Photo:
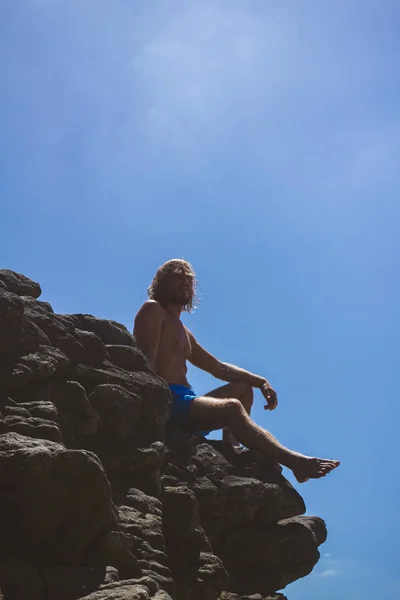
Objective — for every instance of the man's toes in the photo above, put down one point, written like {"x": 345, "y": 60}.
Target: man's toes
{"x": 327, "y": 466}
{"x": 330, "y": 464}
{"x": 324, "y": 466}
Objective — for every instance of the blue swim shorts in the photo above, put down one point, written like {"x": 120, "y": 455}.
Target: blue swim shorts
{"x": 182, "y": 398}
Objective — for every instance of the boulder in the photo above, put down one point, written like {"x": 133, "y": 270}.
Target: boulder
{"x": 55, "y": 503}
{"x": 11, "y": 315}
{"x": 76, "y": 414}
{"x": 110, "y": 332}
{"x": 127, "y": 357}
{"x": 128, "y": 590}
{"x": 24, "y": 580}
{"x": 117, "y": 408}
{"x": 19, "y": 284}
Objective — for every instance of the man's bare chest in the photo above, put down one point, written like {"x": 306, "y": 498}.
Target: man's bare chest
{"x": 174, "y": 338}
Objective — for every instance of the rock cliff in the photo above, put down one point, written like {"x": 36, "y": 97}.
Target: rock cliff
{"x": 100, "y": 498}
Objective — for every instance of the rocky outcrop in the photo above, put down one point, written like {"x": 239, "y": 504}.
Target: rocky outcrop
{"x": 100, "y": 498}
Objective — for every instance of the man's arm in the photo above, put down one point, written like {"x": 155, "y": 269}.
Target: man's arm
{"x": 202, "y": 359}
{"x": 147, "y": 329}
{"x": 221, "y": 370}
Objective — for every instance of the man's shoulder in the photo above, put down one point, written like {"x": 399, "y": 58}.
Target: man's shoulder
{"x": 190, "y": 334}
{"x": 151, "y": 308}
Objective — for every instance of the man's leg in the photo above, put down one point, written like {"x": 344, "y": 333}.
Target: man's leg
{"x": 242, "y": 391}
{"x": 207, "y": 414}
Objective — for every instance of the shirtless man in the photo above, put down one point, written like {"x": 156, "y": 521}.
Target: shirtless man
{"x": 168, "y": 344}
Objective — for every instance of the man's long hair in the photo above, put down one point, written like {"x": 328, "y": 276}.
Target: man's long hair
{"x": 158, "y": 290}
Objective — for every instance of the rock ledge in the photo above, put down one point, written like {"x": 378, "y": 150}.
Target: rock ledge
{"x": 101, "y": 499}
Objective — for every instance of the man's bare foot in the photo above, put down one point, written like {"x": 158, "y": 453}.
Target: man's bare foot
{"x": 313, "y": 468}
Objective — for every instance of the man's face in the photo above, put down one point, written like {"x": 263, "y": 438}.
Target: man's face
{"x": 180, "y": 287}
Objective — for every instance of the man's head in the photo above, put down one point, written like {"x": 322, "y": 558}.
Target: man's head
{"x": 174, "y": 283}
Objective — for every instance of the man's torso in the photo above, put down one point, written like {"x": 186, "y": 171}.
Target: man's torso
{"x": 173, "y": 349}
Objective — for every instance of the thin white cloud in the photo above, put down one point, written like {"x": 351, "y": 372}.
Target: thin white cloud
{"x": 329, "y": 566}
{"x": 328, "y": 573}
{"x": 206, "y": 71}
{"x": 201, "y": 64}
{"x": 204, "y": 46}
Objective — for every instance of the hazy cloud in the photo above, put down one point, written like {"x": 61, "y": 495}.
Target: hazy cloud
{"x": 328, "y": 573}
{"x": 202, "y": 67}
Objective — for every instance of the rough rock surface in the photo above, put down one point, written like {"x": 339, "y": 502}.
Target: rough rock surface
{"x": 101, "y": 499}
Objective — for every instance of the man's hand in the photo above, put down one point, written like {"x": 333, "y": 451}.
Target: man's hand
{"x": 270, "y": 396}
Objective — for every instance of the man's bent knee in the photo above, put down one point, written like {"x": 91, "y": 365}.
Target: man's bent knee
{"x": 245, "y": 391}
{"x": 234, "y": 408}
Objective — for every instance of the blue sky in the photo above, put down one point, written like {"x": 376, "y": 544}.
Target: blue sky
{"x": 261, "y": 141}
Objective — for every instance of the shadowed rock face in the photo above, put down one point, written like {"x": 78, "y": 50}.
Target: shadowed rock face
{"x": 101, "y": 499}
